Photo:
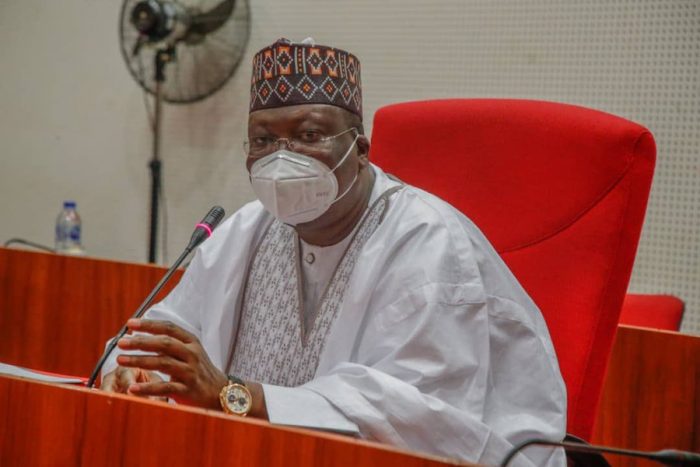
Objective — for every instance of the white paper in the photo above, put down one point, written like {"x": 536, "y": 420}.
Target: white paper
{"x": 13, "y": 370}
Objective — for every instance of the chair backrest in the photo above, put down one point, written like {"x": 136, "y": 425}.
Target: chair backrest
{"x": 559, "y": 190}
{"x": 653, "y": 311}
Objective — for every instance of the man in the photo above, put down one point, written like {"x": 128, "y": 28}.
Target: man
{"x": 344, "y": 299}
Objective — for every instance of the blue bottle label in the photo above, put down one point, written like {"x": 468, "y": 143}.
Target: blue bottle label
{"x": 68, "y": 233}
{"x": 75, "y": 233}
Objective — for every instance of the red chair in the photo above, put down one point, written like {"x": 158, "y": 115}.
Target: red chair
{"x": 653, "y": 311}
{"x": 561, "y": 193}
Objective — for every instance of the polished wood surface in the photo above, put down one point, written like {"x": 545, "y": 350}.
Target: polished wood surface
{"x": 44, "y": 424}
{"x": 56, "y": 312}
{"x": 651, "y": 395}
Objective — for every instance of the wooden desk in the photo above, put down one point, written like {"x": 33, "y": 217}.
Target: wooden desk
{"x": 56, "y": 313}
{"x": 45, "y": 424}
{"x": 651, "y": 394}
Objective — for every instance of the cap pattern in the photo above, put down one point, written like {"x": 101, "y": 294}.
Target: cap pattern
{"x": 288, "y": 73}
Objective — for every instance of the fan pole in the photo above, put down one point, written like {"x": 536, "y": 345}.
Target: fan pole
{"x": 162, "y": 58}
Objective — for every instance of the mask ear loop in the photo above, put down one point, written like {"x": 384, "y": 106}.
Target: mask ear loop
{"x": 346, "y": 190}
{"x": 347, "y": 153}
{"x": 338, "y": 198}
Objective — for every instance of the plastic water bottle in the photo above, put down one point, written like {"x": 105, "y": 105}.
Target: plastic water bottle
{"x": 68, "y": 231}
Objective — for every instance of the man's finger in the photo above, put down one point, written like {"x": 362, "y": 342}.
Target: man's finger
{"x": 145, "y": 376}
{"x": 160, "y": 388}
{"x": 162, "y": 363}
{"x": 165, "y": 345}
{"x": 160, "y": 327}
{"x": 119, "y": 379}
{"x": 109, "y": 383}
{"x": 123, "y": 378}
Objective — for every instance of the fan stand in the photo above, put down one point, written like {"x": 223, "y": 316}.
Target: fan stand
{"x": 162, "y": 58}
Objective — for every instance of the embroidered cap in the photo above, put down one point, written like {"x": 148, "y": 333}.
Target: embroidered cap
{"x": 292, "y": 73}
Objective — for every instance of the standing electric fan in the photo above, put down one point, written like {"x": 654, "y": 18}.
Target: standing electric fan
{"x": 180, "y": 51}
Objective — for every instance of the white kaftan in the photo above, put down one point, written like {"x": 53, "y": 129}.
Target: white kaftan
{"x": 436, "y": 347}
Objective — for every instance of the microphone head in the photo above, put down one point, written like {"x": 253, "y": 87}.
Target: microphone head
{"x": 204, "y": 229}
{"x": 214, "y": 216}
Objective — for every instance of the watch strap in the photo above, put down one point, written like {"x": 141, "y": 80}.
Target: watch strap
{"x": 236, "y": 380}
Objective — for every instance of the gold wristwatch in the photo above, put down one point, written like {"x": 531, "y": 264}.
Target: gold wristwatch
{"x": 235, "y": 397}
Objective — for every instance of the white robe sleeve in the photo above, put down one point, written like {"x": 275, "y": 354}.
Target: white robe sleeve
{"x": 424, "y": 380}
{"x": 305, "y": 408}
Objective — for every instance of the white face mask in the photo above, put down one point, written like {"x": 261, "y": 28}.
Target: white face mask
{"x": 296, "y": 188}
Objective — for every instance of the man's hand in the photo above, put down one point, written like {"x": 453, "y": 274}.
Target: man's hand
{"x": 122, "y": 378}
{"x": 194, "y": 380}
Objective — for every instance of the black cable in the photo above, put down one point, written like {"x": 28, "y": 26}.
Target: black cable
{"x": 22, "y": 241}
{"x": 669, "y": 457}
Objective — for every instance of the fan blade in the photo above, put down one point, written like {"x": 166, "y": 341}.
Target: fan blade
{"x": 205, "y": 23}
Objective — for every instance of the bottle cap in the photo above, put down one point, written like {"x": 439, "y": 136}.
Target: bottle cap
{"x": 69, "y": 205}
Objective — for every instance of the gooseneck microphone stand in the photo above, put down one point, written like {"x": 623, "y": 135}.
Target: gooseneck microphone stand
{"x": 139, "y": 313}
{"x": 201, "y": 232}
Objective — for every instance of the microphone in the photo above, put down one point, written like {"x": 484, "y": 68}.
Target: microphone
{"x": 202, "y": 231}
{"x": 670, "y": 457}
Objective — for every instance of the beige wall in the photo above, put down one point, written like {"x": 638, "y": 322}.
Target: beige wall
{"x": 73, "y": 124}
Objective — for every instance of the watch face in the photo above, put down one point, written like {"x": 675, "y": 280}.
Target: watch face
{"x": 238, "y": 399}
